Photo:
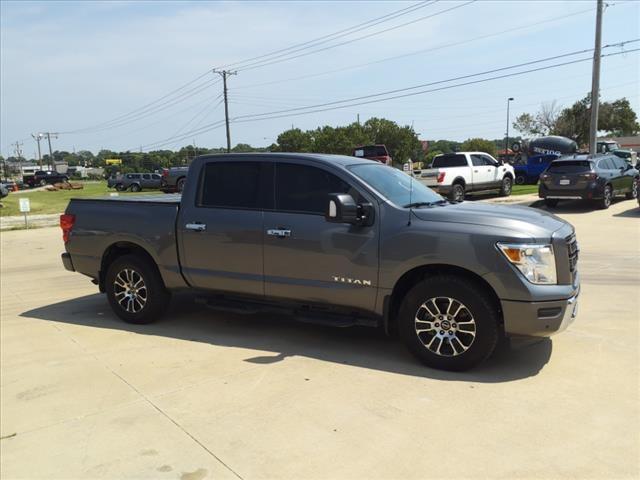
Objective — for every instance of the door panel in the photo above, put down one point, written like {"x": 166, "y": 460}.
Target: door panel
{"x": 222, "y": 234}
{"x": 316, "y": 261}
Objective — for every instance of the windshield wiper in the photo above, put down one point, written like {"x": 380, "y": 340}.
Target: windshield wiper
{"x": 425, "y": 204}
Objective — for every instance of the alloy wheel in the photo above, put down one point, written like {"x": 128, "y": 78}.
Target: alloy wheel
{"x": 130, "y": 290}
{"x": 445, "y": 326}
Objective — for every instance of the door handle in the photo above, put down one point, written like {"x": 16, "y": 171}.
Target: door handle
{"x": 197, "y": 227}
{"x": 475, "y": 171}
{"x": 277, "y": 232}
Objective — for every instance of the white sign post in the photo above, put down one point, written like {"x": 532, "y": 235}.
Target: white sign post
{"x": 25, "y": 207}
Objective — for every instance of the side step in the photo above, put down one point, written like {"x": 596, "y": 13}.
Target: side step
{"x": 303, "y": 313}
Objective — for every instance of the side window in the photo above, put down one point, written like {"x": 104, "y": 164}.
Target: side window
{"x": 304, "y": 189}
{"x": 619, "y": 163}
{"x": 489, "y": 161}
{"x": 129, "y": 176}
{"x": 477, "y": 160}
{"x": 606, "y": 164}
{"x": 155, "y": 176}
{"x": 146, "y": 176}
{"x": 231, "y": 185}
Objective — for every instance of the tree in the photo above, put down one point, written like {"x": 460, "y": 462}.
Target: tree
{"x": 479, "y": 145}
{"x": 295, "y": 140}
{"x": 615, "y": 118}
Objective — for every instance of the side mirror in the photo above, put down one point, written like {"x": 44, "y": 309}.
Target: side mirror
{"x": 342, "y": 208}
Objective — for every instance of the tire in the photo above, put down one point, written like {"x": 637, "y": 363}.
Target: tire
{"x": 607, "y": 197}
{"x": 458, "y": 349}
{"x": 180, "y": 184}
{"x": 119, "y": 187}
{"x": 141, "y": 309}
{"x": 505, "y": 188}
{"x": 135, "y": 187}
{"x": 65, "y": 179}
{"x": 551, "y": 202}
{"x": 521, "y": 179}
{"x": 42, "y": 183}
{"x": 634, "y": 191}
{"x": 457, "y": 193}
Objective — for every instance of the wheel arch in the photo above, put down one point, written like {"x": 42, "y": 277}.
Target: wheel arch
{"x": 417, "y": 274}
{"x": 459, "y": 180}
{"x": 119, "y": 249}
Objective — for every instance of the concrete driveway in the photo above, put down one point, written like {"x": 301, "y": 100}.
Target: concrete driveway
{"x": 209, "y": 395}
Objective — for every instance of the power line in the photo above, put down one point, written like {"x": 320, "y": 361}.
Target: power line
{"x": 389, "y": 92}
{"x": 416, "y": 52}
{"x": 332, "y": 36}
{"x": 252, "y": 118}
{"x": 264, "y": 64}
{"x": 337, "y": 105}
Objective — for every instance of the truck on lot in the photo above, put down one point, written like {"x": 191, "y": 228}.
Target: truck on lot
{"x": 379, "y": 153}
{"x": 45, "y": 177}
{"x": 456, "y": 174}
{"x": 611, "y": 146}
{"x": 529, "y": 171}
{"x": 173, "y": 179}
{"x": 335, "y": 240}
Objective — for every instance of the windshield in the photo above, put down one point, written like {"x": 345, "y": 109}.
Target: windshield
{"x": 396, "y": 186}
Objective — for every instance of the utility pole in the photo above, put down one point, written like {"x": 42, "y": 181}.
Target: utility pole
{"x": 37, "y": 137}
{"x": 48, "y": 135}
{"x": 506, "y": 139}
{"x": 18, "y": 151}
{"x": 595, "y": 82}
{"x": 224, "y": 74}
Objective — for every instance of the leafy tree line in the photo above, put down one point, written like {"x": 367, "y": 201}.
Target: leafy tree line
{"x": 615, "y": 119}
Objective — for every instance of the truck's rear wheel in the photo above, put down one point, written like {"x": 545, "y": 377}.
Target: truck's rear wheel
{"x": 457, "y": 192}
{"x": 521, "y": 179}
{"x": 135, "y": 187}
{"x": 449, "y": 323}
{"x": 180, "y": 185}
{"x": 135, "y": 290}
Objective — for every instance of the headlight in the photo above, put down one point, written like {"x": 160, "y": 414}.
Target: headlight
{"x": 536, "y": 262}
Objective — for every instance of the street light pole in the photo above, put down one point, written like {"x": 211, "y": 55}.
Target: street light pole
{"x": 506, "y": 140}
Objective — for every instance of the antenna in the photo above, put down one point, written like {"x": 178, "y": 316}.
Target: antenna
{"x": 410, "y": 195}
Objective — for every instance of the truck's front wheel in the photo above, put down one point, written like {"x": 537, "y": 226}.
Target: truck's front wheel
{"x": 505, "y": 188}
{"x": 135, "y": 290}
{"x": 449, "y": 323}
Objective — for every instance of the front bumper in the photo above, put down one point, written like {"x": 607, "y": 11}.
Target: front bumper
{"x": 538, "y": 319}
{"x": 66, "y": 261}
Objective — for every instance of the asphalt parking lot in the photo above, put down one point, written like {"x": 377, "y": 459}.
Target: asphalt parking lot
{"x": 210, "y": 395}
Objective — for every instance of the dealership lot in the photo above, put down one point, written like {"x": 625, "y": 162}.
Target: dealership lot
{"x": 203, "y": 394}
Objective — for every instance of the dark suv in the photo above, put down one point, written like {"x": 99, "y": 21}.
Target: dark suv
{"x": 583, "y": 177}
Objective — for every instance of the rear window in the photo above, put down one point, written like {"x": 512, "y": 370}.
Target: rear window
{"x": 570, "y": 166}
{"x": 371, "y": 151}
{"x": 450, "y": 161}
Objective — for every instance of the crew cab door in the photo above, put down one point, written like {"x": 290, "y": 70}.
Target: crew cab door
{"x": 483, "y": 173}
{"x": 221, "y": 230}
{"x": 308, "y": 259}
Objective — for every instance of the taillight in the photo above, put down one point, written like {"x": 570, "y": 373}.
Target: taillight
{"x": 165, "y": 172}
{"x": 588, "y": 176}
{"x": 441, "y": 176}
{"x": 66, "y": 224}
{"x": 545, "y": 176}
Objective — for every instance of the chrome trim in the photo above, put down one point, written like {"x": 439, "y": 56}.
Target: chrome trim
{"x": 276, "y": 232}
{"x": 558, "y": 197}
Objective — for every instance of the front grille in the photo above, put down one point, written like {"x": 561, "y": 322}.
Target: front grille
{"x": 573, "y": 251}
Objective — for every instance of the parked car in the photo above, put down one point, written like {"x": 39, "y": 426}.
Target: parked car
{"x": 4, "y": 190}
{"x": 335, "y": 240}
{"x": 41, "y": 178}
{"x": 173, "y": 179}
{"x": 135, "y": 181}
{"x": 529, "y": 173}
{"x": 582, "y": 177}
{"x": 379, "y": 153}
{"x": 456, "y": 174}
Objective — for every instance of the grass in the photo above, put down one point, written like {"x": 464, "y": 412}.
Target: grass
{"x": 43, "y": 202}
{"x": 524, "y": 189}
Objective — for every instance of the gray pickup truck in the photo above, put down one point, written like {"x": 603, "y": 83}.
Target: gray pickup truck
{"x": 336, "y": 240}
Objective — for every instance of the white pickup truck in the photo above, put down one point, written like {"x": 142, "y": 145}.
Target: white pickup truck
{"x": 456, "y": 174}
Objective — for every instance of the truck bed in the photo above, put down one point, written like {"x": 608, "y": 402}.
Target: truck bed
{"x": 145, "y": 221}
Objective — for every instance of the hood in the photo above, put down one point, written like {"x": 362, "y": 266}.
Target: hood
{"x": 522, "y": 220}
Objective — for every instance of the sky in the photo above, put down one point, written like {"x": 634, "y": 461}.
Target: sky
{"x": 93, "y": 70}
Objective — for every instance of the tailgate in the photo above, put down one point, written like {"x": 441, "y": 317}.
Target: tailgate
{"x": 430, "y": 177}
